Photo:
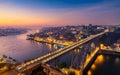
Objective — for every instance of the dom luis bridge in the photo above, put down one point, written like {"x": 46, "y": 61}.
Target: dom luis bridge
{"x": 86, "y": 55}
{"x": 91, "y": 47}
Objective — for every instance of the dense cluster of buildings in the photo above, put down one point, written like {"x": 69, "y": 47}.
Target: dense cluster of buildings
{"x": 66, "y": 33}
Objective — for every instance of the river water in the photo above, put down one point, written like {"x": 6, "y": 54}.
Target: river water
{"x": 105, "y": 65}
{"x": 19, "y": 48}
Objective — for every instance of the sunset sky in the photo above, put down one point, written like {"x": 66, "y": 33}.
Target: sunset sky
{"x": 59, "y": 12}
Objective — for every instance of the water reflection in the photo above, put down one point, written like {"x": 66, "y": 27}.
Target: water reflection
{"x": 22, "y": 36}
{"x": 89, "y": 72}
{"x": 117, "y": 60}
{"x": 93, "y": 67}
{"x": 104, "y": 65}
{"x": 19, "y": 48}
{"x": 99, "y": 59}
{"x": 50, "y": 46}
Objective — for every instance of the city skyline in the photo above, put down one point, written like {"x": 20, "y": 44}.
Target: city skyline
{"x": 58, "y": 12}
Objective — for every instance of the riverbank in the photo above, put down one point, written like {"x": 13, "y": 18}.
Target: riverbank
{"x": 50, "y": 41}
